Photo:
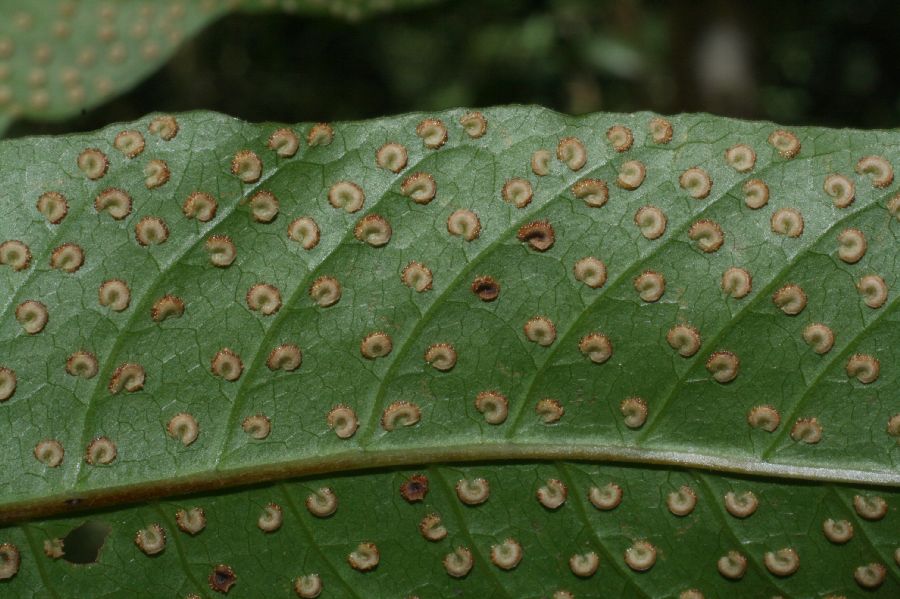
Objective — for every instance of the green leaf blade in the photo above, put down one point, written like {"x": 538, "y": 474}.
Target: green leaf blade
{"x": 372, "y": 509}
{"x": 692, "y": 418}
{"x": 696, "y": 429}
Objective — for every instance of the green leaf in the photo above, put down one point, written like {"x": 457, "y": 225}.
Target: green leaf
{"x": 676, "y": 417}
{"x": 371, "y": 509}
{"x": 59, "y": 57}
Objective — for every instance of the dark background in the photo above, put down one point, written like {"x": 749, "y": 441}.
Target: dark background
{"x": 829, "y": 62}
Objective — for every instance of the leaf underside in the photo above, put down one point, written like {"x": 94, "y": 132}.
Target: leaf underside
{"x": 371, "y": 509}
{"x": 59, "y": 57}
{"x": 645, "y": 403}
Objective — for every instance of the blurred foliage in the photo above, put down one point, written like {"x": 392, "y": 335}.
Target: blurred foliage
{"x": 766, "y": 59}
{"x": 59, "y": 57}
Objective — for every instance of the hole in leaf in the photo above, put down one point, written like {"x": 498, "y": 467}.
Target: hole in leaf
{"x": 83, "y": 543}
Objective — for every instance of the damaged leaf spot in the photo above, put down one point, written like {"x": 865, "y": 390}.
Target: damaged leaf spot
{"x": 620, "y": 137}
{"x": 15, "y": 254}
{"x": 634, "y": 411}
{"x": 441, "y": 356}
{"x": 786, "y": 143}
{"x": 271, "y": 518}
{"x": 247, "y": 166}
{"x": 320, "y": 134}
{"x": 696, "y": 182}
{"x": 539, "y": 235}
{"x": 732, "y": 565}
{"x": 517, "y": 192}
{"x": 53, "y": 206}
{"x": 650, "y": 286}
{"x": 553, "y": 494}
{"x": 493, "y": 405}
{"x": 128, "y": 377}
{"x": 374, "y": 230}
{"x": 308, "y": 586}
{"x": 376, "y": 345}
{"x": 322, "y": 503}
{"x": 415, "y": 488}
{"x": 101, "y": 451}
{"x": 660, "y": 130}
{"x": 227, "y": 364}
{"x": 740, "y": 157}
{"x": 191, "y": 521}
{"x": 304, "y": 231}
{"x": 571, "y": 152}
{"x": 459, "y": 562}
{"x": 464, "y": 223}
{"x": 346, "y": 195}
{"x": 807, "y": 430}
{"x": 584, "y": 565}
{"x": 863, "y": 368}
{"x": 93, "y": 163}
{"x": 540, "y": 330}
{"x": 782, "y": 562}
{"x": 641, "y": 556}
{"x": 873, "y": 290}
{"x": 113, "y": 201}
{"x": 286, "y": 357}
{"x": 151, "y": 230}
{"x": 549, "y": 410}
{"x": 184, "y": 428}
{"x": 596, "y": 347}
{"x": 605, "y": 498}
{"x": 49, "y": 452}
{"x": 165, "y": 126}
{"x": 257, "y": 426}
{"x": 787, "y": 222}
{"x": 507, "y": 554}
{"x": 68, "y": 258}
{"x": 264, "y": 206}
{"x": 473, "y": 491}
{"x": 474, "y": 124}
{"x": 419, "y": 187}
{"x": 156, "y": 174}
{"x": 756, "y": 194}
{"x": 723, "y": 366}
{"x": 82, "y": 545}
{"x": 591, "y": 272}
{"x": 840, "y": 189}
{"x": 400, "y": 413}
{"x": 878, "y": 169}
{"x": 764, "y": 417}
{"x": 391, "y": 157}
{"x": 364, "y": 558}
{"x": 432, "y": 132}
{"x": 592, "y": 192}
{"x": 486, "y": 288}
{"x": 284, "y": 142}
{"x": 432, "y": 528}
{"x": 115, "y": 295}
{"x": 222, "y": 578}
{"x": 631, "y": 175}
{"x": 343, "y": 421}
{"x": 151, "y": 540}
{"x": 682, "y": 502}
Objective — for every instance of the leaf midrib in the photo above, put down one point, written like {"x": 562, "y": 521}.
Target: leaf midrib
{"x": 422, "y": 455}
